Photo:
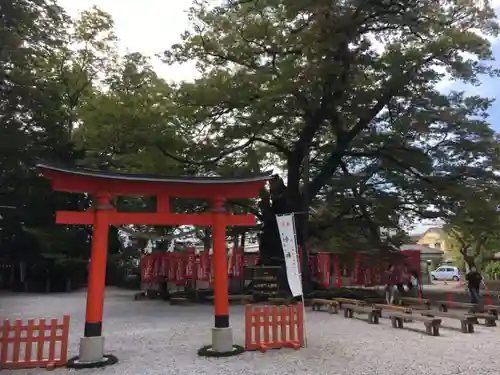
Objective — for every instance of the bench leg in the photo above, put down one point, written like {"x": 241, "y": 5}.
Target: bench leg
{"x": 428, "y": 329}
{"x": 347, "y": 313}
{"x": 431, "y": 329}
{"x": 435, "y": 330}
{"x": 332, "y": 309}
{"x": 370, "y": 318}
{"x": 396, "y": 322}
{"x": 464, "y": 326}
{"x": 443, "y": 308}
{"x": 375, "y": 319}
{"x": 470, "y": 328}
{"x": 314, "y": 307}
{"x": 408, "y": 320}
{"x": 490, "y": 323}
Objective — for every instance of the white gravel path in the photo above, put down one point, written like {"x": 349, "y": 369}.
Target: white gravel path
{"x": 152, "y": 337}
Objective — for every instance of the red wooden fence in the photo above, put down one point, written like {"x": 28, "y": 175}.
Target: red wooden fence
{"x": 272, "y": 327}
{"x": 23, "y": 346}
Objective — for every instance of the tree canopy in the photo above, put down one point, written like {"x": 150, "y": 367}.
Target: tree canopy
{"x": 342, "y": 99}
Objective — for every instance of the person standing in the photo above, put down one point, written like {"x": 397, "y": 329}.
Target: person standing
{"x": 474, "y": 280}
{"x": 390, "y": 284}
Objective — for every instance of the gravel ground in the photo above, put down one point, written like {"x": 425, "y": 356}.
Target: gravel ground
{"x": 152, "y": 337}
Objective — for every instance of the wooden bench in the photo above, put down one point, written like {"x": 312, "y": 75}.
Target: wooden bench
{"x": 492, "y": 309}
{"x": 236, "y": 298}
{"x": 445, "y": 305}
{"x": 243, "y": 298}
{"x": 349, "y": 301}
{"x": 280, "y": 301}
{"x": 404, "y": 309}
{"x": 466, "y": 321}
{"x": 140, "y": 296}
{"x": 374, "y": 313}
{"x": 416, "y": 301}
{"x": 318, "y": 303}
{"x": 179, "y": 300}
{"x": 489, "y": 319}
{"x": 474, "y": 308}
{"x": 431, "y": 324}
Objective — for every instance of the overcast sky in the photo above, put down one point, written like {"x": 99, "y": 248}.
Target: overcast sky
{"x": 146, "y": 26}
{"x": 151, "y": 26}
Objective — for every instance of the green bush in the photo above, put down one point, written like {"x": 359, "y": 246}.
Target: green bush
{"x": 492, "y": 269}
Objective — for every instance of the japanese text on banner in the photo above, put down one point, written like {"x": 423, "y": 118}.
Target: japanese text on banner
{"x": 287, "y": 233}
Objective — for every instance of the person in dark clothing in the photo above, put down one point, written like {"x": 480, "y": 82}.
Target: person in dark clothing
{"x": 474, "y": 280}
{"x": 390, "y": 284}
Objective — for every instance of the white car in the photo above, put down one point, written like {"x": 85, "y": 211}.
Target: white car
{"x": 445, "y": 273}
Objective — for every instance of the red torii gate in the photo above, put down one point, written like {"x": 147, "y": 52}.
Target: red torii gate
{"x": 103, "y": 186}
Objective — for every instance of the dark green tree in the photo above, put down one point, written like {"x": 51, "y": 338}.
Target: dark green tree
{"x": 43, "y": 80}
{"x": 347, "y": 85}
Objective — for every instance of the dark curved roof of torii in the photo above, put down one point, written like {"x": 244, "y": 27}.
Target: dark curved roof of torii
{"x": 144, "y": 177}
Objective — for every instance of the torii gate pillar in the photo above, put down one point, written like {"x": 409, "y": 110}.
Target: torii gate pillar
{"x": 92, "y": 342}
{"x": 222, "y": 333}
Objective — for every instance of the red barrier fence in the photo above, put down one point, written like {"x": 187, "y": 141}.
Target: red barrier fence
{"x": 34, "y": 352}
{"x": 272, "y": 327}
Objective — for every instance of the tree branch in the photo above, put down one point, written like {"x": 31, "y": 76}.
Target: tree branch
{"x": 215, "y": 160}
{"x": 374, "y": 230}
{"x": 279, "y": 147}
{"x": 249, "y": 207}
{"x": 345, "y": 138}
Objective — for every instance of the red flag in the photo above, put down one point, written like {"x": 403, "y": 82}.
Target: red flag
{"x": 313, "y": 265}
{"x": 256, "y": 260}
{"x": 355, "y": 275}
{"x": 337, "y": 272}
{"x": 156, "y": 263}
{"x": 171, "y": 267}
{"x": 146, "y": 269}
{"x": 180, "y": 270}
{"x": 190, "y": 260}
{"x": 204, "y": 266}
{"x": 368, "y": 277}
{"x": 164, "y": 265}
{"x": 323, "y": 261}
{"x": 237, "y": 263}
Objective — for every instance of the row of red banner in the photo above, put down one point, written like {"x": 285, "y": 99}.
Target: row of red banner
{"x": 322, "y": 264}
{"x": 178, "y": 267}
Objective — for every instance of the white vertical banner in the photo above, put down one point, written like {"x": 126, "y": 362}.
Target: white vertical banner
{"x": 286, "y": 227}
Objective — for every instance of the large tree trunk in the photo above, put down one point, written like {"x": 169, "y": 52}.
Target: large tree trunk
{"x": 469, "y": 260}
{"x": 282, "y": 200}
{"x": 207, "y": 239}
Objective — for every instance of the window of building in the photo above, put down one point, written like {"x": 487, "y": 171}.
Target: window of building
{"x": 437, "y": 245}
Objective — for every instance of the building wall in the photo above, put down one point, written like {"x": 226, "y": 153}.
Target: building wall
{"x": 436, "y": 239}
